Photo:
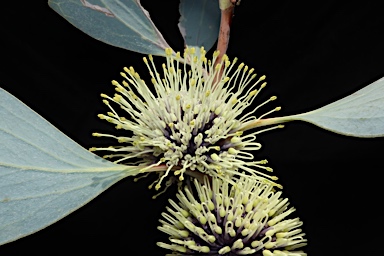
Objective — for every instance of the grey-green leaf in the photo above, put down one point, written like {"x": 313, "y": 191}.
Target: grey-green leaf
{"x": 122, "y": 23}
{"x": 360, "y": 114}
{"x": 199, "y": 22}
{"x": 44, "y": 175}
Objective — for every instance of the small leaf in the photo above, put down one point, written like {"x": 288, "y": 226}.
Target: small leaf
{"x": 44, "y": 175}
{"x": 199, "y": 22}
{"x": 122, "y": 23}
{"x": 360, "y": 114}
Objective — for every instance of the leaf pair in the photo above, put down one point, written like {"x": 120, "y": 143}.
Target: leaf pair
{"x": 44, "y": 175}
{"x": 126, "y": 24}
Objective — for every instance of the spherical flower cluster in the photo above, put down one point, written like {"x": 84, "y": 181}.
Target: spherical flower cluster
{"x": 192, "y": 122}
{"x": 216, "y": 218}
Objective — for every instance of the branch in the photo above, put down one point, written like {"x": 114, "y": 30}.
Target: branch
{"x": 269, "y": 121}
{"x": 227, "y": 8}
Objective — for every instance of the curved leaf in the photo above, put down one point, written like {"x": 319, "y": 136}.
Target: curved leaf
{"x": 44, "y": 175}
{"x": 360, "y": 114}
{"x": 199, "y": 22}
{"x": 122, "y": 23}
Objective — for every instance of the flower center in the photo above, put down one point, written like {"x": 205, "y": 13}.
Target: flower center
{"x": 194, "y": 134}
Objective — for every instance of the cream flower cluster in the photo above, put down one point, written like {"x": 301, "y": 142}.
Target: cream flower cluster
{"x": 216, "y": 218}
{"x": 192, "y": 121}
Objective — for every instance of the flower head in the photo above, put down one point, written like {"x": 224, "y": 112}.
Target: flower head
{"x": 192, "y": 121}
{"x": 216, "y": 218}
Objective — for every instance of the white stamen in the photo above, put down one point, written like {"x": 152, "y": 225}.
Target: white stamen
{"x": 192, "y": 120}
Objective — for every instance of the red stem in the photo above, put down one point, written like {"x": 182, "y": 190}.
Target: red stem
{"x": 225, "y": 24}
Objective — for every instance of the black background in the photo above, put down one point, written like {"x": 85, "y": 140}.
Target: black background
{"x": 312, "y": 53}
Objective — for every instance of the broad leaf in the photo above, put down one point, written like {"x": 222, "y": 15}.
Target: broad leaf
{"x": 122, "y": 23}
{"x": 360, "y": 114}
{"x": 44, "y": 175}
{"x": 199, "y": 22}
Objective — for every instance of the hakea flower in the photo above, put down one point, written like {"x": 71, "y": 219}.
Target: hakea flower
{"x": 217, "y": 218}
{"x": 192, "y": 122}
